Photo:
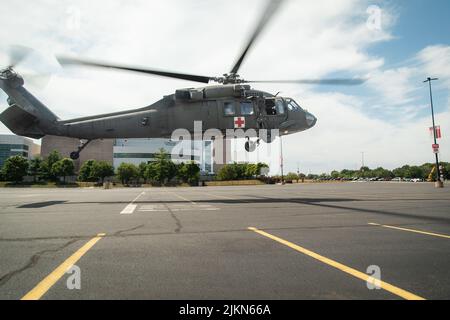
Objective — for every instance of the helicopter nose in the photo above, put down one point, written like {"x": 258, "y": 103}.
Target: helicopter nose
{"x": 310, "y": 120}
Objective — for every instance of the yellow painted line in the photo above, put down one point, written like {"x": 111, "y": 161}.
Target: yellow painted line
{"x": 37, "y": 292}
{"x": 360, "y": 275}
{"x": 412, "y": 230}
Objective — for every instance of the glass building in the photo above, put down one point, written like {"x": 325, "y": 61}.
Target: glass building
{"x": 12, "y": 145}
{"x": 136, "y": 151}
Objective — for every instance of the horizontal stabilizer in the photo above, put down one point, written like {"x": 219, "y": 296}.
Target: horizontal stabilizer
{"x": 21, "y": 122}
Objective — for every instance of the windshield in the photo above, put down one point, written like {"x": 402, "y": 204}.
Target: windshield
{"x": 292, "y": 105}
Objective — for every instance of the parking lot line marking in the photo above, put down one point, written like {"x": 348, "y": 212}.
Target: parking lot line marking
{"x": 183, "y": 198}
{"x": 129, "y": 209}
{"x": 411, "y": 230}
{"x": 360, "y": 275}
{"x": 37, "y": 292}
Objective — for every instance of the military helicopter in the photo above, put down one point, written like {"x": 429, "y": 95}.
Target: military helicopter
{"x": 229, "y": 104}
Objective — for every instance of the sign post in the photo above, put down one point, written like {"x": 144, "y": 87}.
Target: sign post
{"x": 439, "y": 183}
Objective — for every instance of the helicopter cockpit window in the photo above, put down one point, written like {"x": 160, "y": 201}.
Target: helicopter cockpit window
{"x": 229, "y": 109}
{"x": 292, "y": 105}
{"x": 247, "y": 108}
{"x": 274, "y": 107}
{"x": 280, "y": 106}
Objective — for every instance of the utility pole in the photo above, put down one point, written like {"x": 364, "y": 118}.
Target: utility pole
{"x": 439, "y": 183}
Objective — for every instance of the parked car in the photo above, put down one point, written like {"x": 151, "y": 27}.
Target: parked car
{"x": 397, "y": 179}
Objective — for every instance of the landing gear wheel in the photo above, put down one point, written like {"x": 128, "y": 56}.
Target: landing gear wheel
{"x": 74, "y": 155}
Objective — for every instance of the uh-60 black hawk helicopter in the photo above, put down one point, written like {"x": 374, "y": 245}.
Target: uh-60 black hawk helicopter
{"x": 229, "y": 105}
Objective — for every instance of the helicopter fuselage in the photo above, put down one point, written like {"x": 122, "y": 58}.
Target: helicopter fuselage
{"x": 223, "y": 108}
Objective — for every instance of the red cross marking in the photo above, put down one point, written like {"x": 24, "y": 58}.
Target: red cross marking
{"x": 239, "y": 122}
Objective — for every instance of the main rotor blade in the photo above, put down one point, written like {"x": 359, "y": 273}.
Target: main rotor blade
{"x": 330, "y": 82}
{"x": 17, "y": 54}
{"x": 175, "y": 75}
{"x": 272, "y": 7}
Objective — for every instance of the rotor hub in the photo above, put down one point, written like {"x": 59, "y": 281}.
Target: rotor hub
{"x": 230, "y": 78}
{"x": 12, "y": 77}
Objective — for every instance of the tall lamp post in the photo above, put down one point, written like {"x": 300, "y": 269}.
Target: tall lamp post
{"x": 439, "y": 183}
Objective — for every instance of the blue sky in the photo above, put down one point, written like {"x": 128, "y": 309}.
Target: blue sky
{"x": 419, "y": 24}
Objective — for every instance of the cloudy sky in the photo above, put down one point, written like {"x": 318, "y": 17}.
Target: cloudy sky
{"x": 396, "y": 44}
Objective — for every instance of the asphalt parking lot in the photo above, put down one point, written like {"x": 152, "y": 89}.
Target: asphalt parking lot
{"x": 311, "y": 241}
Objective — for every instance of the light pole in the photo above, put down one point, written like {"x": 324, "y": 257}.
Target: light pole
{"x": 439, "y": 183}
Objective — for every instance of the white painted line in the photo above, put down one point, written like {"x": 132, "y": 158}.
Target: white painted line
{"x": 183, "y": 198}
{"x": 129, "y": 209}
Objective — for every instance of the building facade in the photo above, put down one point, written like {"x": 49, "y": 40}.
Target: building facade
{"x": 12, "y": 145}
{"x": 136, "y": 151}
{"x": 100, "y": 150}
{"x": 133, "y": 151}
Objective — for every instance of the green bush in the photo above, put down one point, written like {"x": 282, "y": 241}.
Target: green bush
{"x": 292, "y": 177}
{"x": 47, "y": 165}
{"x": 101, "y": 170}
{"x": 34, "y": 168}
{"x": 63, "y": 168}
{"x": 85, "y": 173}
{"x": 240, "y": 171}
{"x": 15, "y": 168}
{"x": 127, "y": 172}
{"x": 189, "y": 173}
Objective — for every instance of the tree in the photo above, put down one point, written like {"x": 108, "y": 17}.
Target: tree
{"x": 47, "y": 165}
{"x": 291, "y": 176}
{"x": 414, "y": 172}
{"x": 189, "y": 173}
{"x": 150, "y": 173}
{"x": 15, "y": 168}
{"x": 34, "y": 168}
{"x": 165, "y": 169}
{"x": 85, "y": 173}
{"x": 101, "y": 170}
{"x": 446, "y": 170}
{"x": 127, "y": 172}
{"x": 142, "y": 171}
{"x": 63, "y": 168}
{"x": 335, "y": 174}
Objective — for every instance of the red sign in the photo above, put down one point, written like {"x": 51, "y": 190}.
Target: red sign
{"x": 239, "y": 122}
{"x": 435, "y": 148}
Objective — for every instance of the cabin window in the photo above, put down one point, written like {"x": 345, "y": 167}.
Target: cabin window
{"x": 280, "y": 106}
{"x": 247, "y": 108}
{"x": 271, "y": 108}
{"x": 229, "y": 109}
